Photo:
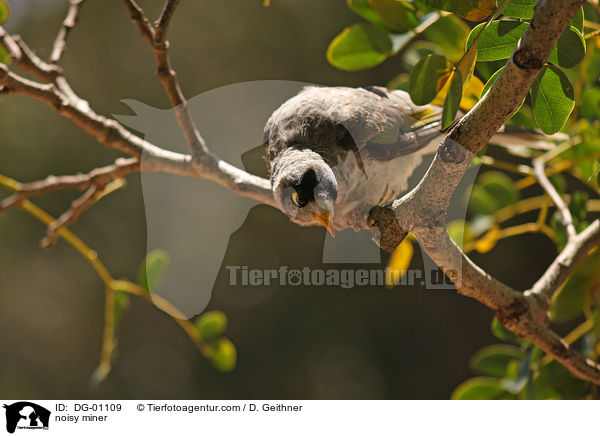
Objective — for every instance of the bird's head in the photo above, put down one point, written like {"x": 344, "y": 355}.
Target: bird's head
{"x": 305, "y": 188}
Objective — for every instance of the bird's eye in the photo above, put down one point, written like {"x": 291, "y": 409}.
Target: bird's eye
{"x": 298, "y": 201}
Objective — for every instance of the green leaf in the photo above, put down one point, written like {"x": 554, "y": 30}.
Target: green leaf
{"x": 519, "y": 8}
{"x": 554, "y": 381}
{"x": 523, "y": 118}
{"x": 569, "y": 301}
{"x": 491, "y": 81}
{"x": 558, "y": 228}
{"x": 493, "y": 360}
{"x": 481, "y": 202}
{"x": 452, "y": 103}
{"x": 364, "y": 9}
{"x": 552, "y": 99}
{"x": 450, "y": 34}
{"x": 417, "y": 51}
{"x": 153, "y": 269}
{"x": 211, "y": 324}
{"x": 500, "y": 186}
{"x": 460, "y": 232}
{"x": 358, "y": 47}
{"x": 4, "y": 12}
{"x": 398, "y": 15}
{"x": 481, "y": 388}
{"x": 122, "y": 303}
{"x": 399, "y": 82}
{"x": 223, "y": 355}
{"x": 472, "y": 10}
{"x": 590, "y": 103}
{"x": 569, "y": 50}
{"x": 487, "y": 69}
{"x": 559, "y": 182}
{"x": 4, "y": 57}
{"x": 492, "y": 191}
{"x": 426, "y": 78}
{"x": 498, "y": 40}
{"x": 503, "y": 333}
{"x": 578, "y": 206}
{"x": 577, "y": 20}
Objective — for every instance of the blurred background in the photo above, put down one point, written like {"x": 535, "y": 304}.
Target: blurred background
{"x": 292, "y": 342}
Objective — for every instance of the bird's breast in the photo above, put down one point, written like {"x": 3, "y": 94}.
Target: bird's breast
{"x": 377, "y": 182}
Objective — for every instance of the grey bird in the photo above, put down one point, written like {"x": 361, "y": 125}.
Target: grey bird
{"x": 333, "y": 153}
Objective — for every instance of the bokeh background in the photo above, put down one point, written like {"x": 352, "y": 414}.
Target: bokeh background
{"x": 292, "y": 342}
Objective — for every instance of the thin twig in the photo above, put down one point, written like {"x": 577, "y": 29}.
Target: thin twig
{"x": 60, "y": 43}
{"x": 156, "y": 38}
{"x": 141, "y": 22}
{"x": 98, "y": 176}
{"x": 25, "y": 59}
{"x": 564, "y": 264}
{"x": 162, "y": 24}
{"x": 567, "y": 218}
{"x": 78, "y": 206}
{"x": 112, "y": 134}
{"x": 111, "y": 285}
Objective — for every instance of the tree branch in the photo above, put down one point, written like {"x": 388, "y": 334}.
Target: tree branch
{"x": 72, "y": 214}
{"x": 540, "y": 174}
{"x": 162, "y": 24}
{"x": 562, "y": 267}
{"x": 60, "y": 43}
{"x": 156, "y": 38}
{"x": 423, "y": 211}
{"x": 113, "y": 135}
{"x": 25, "y": 59}
{"x": 98, "y": 177}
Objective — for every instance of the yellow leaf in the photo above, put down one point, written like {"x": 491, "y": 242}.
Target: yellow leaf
{"x": 488, "y": 241}
{"x": 467, "y": 64}
{"x": 471, "y": 94}
{"x": 399, "y": 263}
{"x": 483, "y": 10}
{"x": 440, "y": 98}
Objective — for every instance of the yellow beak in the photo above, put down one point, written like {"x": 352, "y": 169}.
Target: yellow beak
{"x": 326, "y": 221}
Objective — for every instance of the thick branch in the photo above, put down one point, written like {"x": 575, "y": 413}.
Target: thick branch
{"x": 423, "y": 210}
{"x": 156, "y": 38}
{"x": 60, "y": 43}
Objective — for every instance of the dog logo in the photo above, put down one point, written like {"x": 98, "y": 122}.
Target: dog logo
{"x": 26, "y": 415}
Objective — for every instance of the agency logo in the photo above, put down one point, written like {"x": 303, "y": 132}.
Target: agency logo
{"x": 26, "y": 415}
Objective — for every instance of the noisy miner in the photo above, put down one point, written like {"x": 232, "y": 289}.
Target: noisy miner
{"x": 333, "y": 153}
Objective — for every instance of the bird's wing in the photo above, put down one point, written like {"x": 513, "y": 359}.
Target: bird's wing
{"x": 406, "y": 127}
{"x": 418, "y": 127}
